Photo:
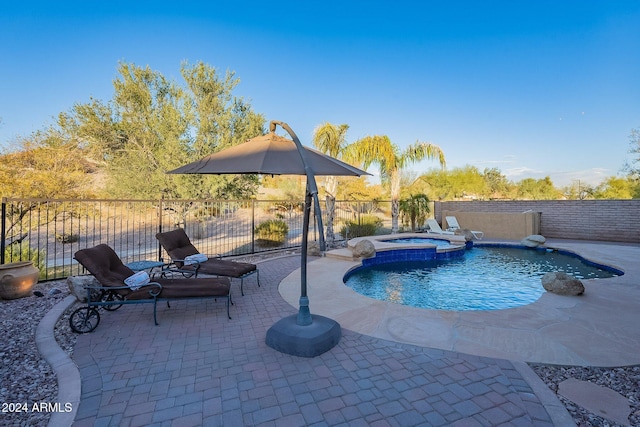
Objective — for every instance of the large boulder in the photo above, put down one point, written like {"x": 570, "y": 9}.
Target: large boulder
{"x": 533, "y": 241}
{"x": 562, "y": 284}
{"x": 364, "y": 249}
{"x": 77, "y": 286}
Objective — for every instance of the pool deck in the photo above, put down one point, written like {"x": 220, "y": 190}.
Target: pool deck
{"x": 598, "y": 328}
{"x": 393, "y": 365}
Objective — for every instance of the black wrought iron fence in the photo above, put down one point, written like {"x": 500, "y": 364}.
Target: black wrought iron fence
{"x": 49, "y": 232}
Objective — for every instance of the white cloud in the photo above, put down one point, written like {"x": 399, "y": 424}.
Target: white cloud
{"x": 521, "y": 172}
{"x": 507, "y": 159}
{"x": 592, "y": 176}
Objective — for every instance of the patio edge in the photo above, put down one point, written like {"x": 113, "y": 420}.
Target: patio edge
{"x": 556, "y": 410}
{"x": 67, "y": 373}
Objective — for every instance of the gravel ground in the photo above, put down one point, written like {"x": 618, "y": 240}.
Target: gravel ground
{"x": 624, "y": 380}
{"x": 26, "y": 378}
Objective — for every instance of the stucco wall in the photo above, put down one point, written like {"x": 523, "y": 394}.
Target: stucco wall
{"x": 600, "y": 220}
{"x": 498, "y": 225}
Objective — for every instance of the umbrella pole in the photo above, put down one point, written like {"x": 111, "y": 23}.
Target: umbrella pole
{"x": 301, "y": 334}
{"x": 304, "y": 315}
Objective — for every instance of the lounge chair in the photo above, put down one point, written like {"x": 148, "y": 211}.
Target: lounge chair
{"x": 453, "y": 225}
{"x": 434, "y": 227}
{"x": 179, "y": 248}
{"x": 108, "y": 269}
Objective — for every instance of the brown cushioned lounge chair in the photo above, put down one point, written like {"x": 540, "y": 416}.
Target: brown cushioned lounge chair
{"x": 178, "y": 246}
{"x": 108, "y": 269}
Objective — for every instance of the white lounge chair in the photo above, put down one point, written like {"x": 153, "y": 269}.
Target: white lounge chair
{"x": 434, "y": 227}
{"x": 453, "y": 225}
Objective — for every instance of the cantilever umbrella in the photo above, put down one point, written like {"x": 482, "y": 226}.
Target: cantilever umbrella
{"x": 268, "y": 154}
{"x": 301, "y": 335}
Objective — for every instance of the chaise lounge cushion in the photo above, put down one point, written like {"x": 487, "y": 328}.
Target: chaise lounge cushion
{"x": 183, "y": 288}
{"x": 178, "y": 246}
{"x": 108, "y": 269}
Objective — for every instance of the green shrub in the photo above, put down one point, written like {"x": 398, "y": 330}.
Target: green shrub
{"x": 271, "y": 233}
{"x": 208, "y": 211}
{"x": 414, "y": 210}
{"x": 367, "y": 226}
{"x": 23, "y": 252}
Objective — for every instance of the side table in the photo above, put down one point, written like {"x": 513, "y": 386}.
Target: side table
{"x": 146, "y": 265}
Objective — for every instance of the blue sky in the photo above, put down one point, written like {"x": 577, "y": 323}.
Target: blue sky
{"x": 532, "y": 88}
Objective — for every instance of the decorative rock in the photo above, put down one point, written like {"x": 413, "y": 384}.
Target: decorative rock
{"x": 562, "y": 284}
{"x": 533, "y": 241}
{"x": 468, "y": 235}
{"x": 313, "y": 249}
{"x": 54, "y": 291}
{"x": 364, "y": 249}
{"x": 77, "y": 286}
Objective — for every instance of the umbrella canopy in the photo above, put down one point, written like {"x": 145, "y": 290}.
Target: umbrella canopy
{"x": 275, "y": 155}
{"x": 269, "y": 154}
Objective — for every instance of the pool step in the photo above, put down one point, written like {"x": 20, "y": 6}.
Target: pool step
{"x": 343, "y": 254}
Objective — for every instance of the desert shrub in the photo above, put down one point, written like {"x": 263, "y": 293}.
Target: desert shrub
{"x": 208, "y": 211}
{"x": 23, "y": 252}
{"x": 367, "y": 225}
{"x": 67, "y": 237}
{"x": 271, "y": 233}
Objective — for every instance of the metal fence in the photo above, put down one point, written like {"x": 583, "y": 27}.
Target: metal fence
{"x": 49, "y": 232}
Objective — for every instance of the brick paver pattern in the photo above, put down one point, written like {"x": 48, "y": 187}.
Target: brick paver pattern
{"x": 197, "y": 368}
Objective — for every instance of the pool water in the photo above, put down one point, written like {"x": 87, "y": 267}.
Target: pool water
{"x": 437, "y": 242}
{"x": 485, "y": 278}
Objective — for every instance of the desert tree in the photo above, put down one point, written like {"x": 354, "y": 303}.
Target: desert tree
{"x": 45, "y": 165}
{"x": 153, "y": 124}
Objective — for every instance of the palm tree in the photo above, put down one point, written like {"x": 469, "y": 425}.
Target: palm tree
{"x": 381, "y": 151}
{"x": 330, "y": 139}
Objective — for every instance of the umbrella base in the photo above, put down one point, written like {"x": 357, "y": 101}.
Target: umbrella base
{"x": 312, "y": 340}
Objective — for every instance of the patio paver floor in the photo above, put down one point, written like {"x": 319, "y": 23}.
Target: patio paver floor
{"x": 199, "y": 368}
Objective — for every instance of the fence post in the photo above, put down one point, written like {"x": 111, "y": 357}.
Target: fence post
{"x": 3, "y": 232}
{"x": 253, "y": 226}
{"x": 159, "y": 229}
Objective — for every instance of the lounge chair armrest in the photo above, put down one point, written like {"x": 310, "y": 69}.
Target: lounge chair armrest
{"x": 196, "y": 264}
{"x": 154, "y": 288}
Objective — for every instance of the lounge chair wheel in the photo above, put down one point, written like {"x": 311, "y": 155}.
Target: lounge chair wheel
{"x": 111, "y": 297}
{"x": 84, "y": 319}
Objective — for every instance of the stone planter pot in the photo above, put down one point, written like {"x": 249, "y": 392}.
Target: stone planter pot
{"x": 17, "y": 279}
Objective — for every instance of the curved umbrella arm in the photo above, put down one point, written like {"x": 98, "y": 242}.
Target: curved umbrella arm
{"x": 312, "y": 186}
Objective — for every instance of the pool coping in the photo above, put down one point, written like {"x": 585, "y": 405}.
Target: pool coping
{"x": 595, "y": 329}
{"x": 457, "y": 242}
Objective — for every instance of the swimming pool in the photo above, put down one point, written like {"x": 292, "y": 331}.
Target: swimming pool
{"x": 485, "y": 278}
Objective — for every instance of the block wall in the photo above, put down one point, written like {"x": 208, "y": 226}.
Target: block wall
{"x": 599, "y": 220}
